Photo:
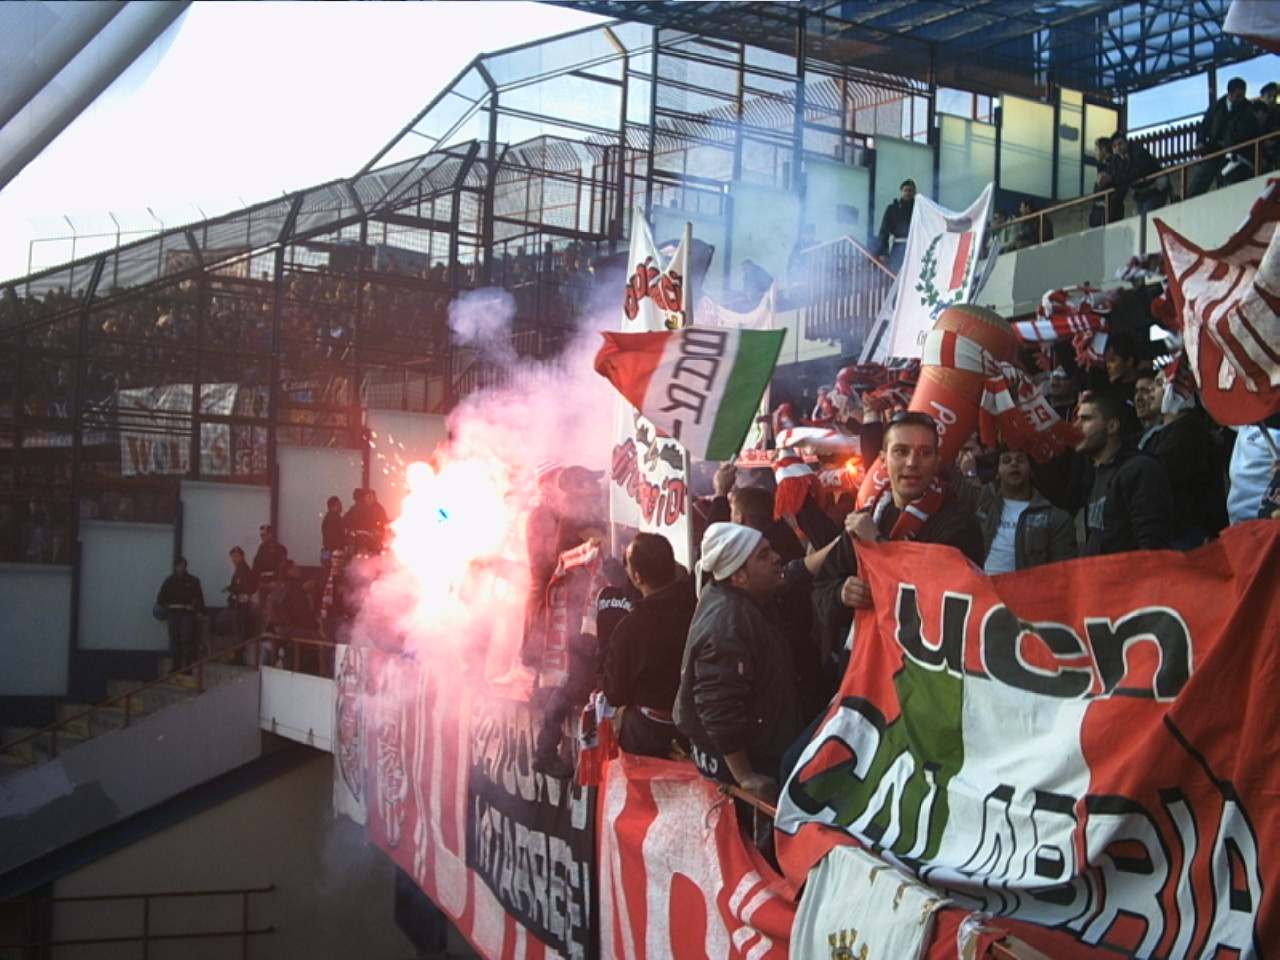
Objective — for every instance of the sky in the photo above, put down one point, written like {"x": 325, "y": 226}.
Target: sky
{"x": 238, "y": 102}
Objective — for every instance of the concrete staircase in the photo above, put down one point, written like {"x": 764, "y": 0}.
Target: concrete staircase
{"x": 80, "y": 725}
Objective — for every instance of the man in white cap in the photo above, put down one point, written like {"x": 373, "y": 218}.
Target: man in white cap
{"x": 737, "y": 697}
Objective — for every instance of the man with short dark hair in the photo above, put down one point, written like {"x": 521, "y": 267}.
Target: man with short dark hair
{"x": 333, "y": 531}
{"x": 1020, "y": 528}
{"x": 182, "y": 599}
{"x": 1130, "y": 506}
{"x": 1147, "y": 395}
{"x": 642, "y": 669}
{"x": 911, "y": 459}
{"x": 895, "y": 225}
{"x": 240, "y": 591}
{"x": 736, "y": 700}
{"x": 1227, "y": 122}
{"x": 270, "y": 557}
{"x": 1132, "y": 165}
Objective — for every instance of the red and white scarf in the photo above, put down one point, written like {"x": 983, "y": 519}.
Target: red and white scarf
{"x": 1015, "y": 411}
{"x": 562, "y": 622}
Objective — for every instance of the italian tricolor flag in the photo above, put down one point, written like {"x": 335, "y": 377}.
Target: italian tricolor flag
{"x": 700, "y": 385}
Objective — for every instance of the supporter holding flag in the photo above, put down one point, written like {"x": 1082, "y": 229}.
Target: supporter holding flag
{"x": 1020, "y": 528}
{"x": 642, "y": 667}
{"x": 1130, "y": 506}
{"x": 911, "y": 444}
{"x": 736, "y": 702}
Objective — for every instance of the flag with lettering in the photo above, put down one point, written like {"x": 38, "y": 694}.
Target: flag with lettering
{"x": 700, "y": 385}
{"x": 939, "y": 270}
{"x": 1093, "y": 764}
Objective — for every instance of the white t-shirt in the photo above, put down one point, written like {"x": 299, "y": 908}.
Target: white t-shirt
{"x": 1001, "y": 557}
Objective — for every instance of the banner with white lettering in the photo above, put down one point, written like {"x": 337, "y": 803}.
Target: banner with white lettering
{"x": 939, "y": 270}
{"x": 649, "y": 474}
{"x": 1084, "y": 751}
{"x": 155, "y": 428}
{"x": 530, "y": 838}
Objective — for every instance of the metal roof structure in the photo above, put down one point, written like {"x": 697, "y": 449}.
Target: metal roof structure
{"x": 1102, "y": 47}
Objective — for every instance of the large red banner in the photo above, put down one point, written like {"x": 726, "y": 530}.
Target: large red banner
{"x": 1086, "y": 749}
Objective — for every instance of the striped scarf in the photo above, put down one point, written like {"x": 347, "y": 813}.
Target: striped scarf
{"x": 1015, "y": 411}
{"x": 914, "y": 515}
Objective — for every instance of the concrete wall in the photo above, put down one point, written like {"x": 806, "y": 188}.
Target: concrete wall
{"x": 35, "y": 629}
{"x": 126, "y": 771}
{"x": 308, "y": 477}
{"x": 215, "y": 517}
{"x": 122, "y": 567}
{"x": 298, "y": 706}
{"x": 333, "y": 897}
{"x": 1209, "y": 218}
{"x": 419, "y": 432}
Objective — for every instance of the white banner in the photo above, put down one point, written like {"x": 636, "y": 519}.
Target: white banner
{"x": 649, "y": 475}
{"x": 349, "y": 793}
{"x": 939, "y": 269}
{"x": 155, "y": 429}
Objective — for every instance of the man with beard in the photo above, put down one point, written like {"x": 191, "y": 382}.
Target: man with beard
{"x": 1130, "y": 506}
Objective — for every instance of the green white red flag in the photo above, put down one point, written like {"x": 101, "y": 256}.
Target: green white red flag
{"x": 700, "y": 385}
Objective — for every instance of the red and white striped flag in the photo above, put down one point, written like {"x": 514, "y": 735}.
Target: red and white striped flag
{"x": 1228, "y": 302}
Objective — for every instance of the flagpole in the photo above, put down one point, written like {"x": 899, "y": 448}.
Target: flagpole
{"x": 686, "y": 295}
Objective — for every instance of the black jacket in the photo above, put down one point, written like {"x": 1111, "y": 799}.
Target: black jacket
{"x": 244, "y": 582}
{"x": 895, "y": 223}
{"x": 1186, "y": 450}
{"x": 1130, "y": 506}
{"x": 1140, "y": 163}
{"x": 736, "y": 686}
{"x": 333, "y": 532}
{"x": 642, "y": 667}
{"x": 952, "y": 524}
{"x": 181, "y": 589}
{"x": 269, "y": 557}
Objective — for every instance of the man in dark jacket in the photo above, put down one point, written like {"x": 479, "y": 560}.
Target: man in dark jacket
{"x": 183, "y": 600}
{"x": 240, "y": 591}
{"x": 736, "y": 701}
{"x": 1131, "y": 165}
{"x": 1020, "y": 528}
{"x": 642, "y": 669}
{"x": 1185, "y": 448}
{"x": 1228, "y": 122}
{"x": 270, "y": 557}
{"x": 1130, "y": 506}
{"x": 911, "y": 456}
{"x": 895, "y": 225}
{"x": 616, "y": 599}
{"x": 333, "y": 531}
{"x": 363, "y": 524}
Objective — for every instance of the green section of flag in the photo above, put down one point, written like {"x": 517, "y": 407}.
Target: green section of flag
{"x": 930, "y": 729}
{"x": 752, "y": 367}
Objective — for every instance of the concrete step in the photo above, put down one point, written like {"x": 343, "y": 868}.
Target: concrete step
{"x": 80, "y": 727}
{"x": 105, "y": 719}
{"x": 148, "y": 699}
{"x": 39, "y": 748}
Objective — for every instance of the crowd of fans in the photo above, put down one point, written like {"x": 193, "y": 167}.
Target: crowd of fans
{"x": 294, "y": 612}
{"x": 728, "y": 663}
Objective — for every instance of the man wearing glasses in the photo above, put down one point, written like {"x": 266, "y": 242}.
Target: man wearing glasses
{"x": 911, "y": 458}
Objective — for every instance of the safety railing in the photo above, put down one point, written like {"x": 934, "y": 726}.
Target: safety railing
{"x": 126, "y": 701}
{"x": 1174, "y": 144}
{"x": 147, "y": 935}
{"x": 1252, "y": 150}
{"x": 845, "y": 287}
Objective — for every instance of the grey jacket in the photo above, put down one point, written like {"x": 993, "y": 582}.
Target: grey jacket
{"x": 1045, "y": 534}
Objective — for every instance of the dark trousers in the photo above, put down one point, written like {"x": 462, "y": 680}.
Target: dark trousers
{"x": 183, "y": 634}
{"x": 557, "y": 708}
{"x": 647, "y": 737}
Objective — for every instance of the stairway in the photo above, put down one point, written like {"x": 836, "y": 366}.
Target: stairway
{"x": 123, "y": 757}
{"x": 82, "y": 722}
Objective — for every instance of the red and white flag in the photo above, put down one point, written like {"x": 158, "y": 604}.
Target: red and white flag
{"x": 939, "y": 270}
{"x": 1228, "y": 303}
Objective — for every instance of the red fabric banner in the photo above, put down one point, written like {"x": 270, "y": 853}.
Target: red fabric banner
{"x": 1084, "y": 750}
